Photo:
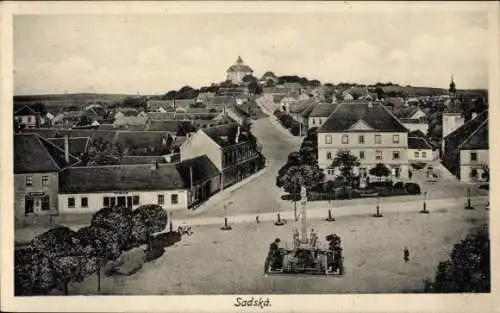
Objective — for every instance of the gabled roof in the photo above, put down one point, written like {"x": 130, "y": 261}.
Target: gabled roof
{"x": 120, "y": 178}
{"x": 143, "y": 139}
{"x": 418, "y": 143}
{"x": 417, "y": 133}
{"x": 323, "y": 109}
{"x": 165, "y": 125}
{"x": 202, "y": 169}
{"x": 77, "y": 145}
{"x": 35, "y": 154}
{"x": 239, "y": 67}
{"x": 25, "y": 110}
{"x": 478, "y": 140}
{"x": 463, "y": 132}
{"x": 348, "y": 113}
{"x": 225, "y": 135}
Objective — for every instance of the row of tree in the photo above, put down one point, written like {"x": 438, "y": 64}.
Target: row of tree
{"x": 61, "y": 255}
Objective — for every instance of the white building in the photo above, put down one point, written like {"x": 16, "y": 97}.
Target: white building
{"x": 370, "y": 132}
{"x": 236, "y": 72}
{"x": 419, "y": 150}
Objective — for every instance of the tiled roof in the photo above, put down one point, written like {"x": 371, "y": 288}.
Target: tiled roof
{"x": 25, "y": 110}
{"x": 417, "y": 133}
{"x": 225, "y": 135}
{"x": 301, "y": 105}
{"x": 120, "y": 178}
{"x": 161, "y": 116}
{"x": 77, "y": 145}
{"x": 140, "y": 159}
{"x": 411, "y": 121}
{"x": 35, "y": 154}
{"x": 418, "y": 143}
{"x": 478, "y": 140}
{"x": 348, "y": 113}
{"x": 202, "y": 169}
{"x": 323, "y": 109}
{"x": 165, "y": 125}
{"x": 143, "y": 139}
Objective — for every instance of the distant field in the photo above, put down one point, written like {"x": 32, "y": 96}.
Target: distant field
{"x": 429, "y": 91}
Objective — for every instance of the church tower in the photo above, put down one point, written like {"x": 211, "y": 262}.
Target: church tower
{"x": 452, "y": 115}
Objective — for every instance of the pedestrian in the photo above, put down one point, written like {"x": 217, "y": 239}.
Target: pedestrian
{"x": 314, "y": 238}
{"x": 257, "y": 219}
{"x": 406, "y": 255}
{"x": 271, "y": 255}
{"x": 410, "y": 174}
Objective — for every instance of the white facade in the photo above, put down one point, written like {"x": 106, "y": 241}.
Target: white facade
{"x": 370, "y": 148}
{"x": 30, "y": 121}
{"x": 471, "y": 160}
{"x": 421, "y": 155}
{"x": 317, "y": 121}
{"x": 423, "y": 127}
{"x": 92, "y": 202}
{"x": 418, "y": 114}
{"x": 451, "y": 121}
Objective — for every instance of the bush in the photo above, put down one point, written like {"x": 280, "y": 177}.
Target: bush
{"x": 380, "y": 184}
{"x": 399, "y": 186}
{"x": 417, "y": 166}
{"x": 412, "y": 188}
{"x": 389, "y": 191}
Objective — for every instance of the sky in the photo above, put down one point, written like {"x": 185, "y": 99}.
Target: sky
{"x": 152, "y": 54}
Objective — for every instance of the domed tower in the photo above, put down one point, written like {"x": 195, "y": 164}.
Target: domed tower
{"x": 237, "y": 71}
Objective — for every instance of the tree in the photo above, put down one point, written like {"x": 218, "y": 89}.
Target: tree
{"x": 102, "y": 243}
{"x": 255, "y": 88}
{"x": 380, "y": 170}
{"x": 346, "y": 162}
{"x": 172, "y": 94}
{"x": 33, "y": 273}
{"x": 468, "y": 268}
{"x": 115, "y": 219}
{"x": 269, "y": 83}
{"x": 84, "y": 121}
{"x": 66, "y": 258}
{"x": 246, "y": 124}
{"x": 249, "y": 79}
{"x": 147, "y": 220}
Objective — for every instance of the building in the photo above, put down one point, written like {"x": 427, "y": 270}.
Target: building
{"x": 466, "y": 149}
{"x": 452, "y": 115}
{"x": 237, "y": 71}
{"x": 26, "y": 117}
{"x": 235, "y": 153}
{"x": 37, "y": 163}
{"x": 172, "y": 186}
{"x": 414, "y": 124}
{"x": 204, "y": 97}
{"x": 77, "y": 145}
{"x": 370, "y": 132}
{"x": 419, "y": 150}
{"x": 320, "y": 114}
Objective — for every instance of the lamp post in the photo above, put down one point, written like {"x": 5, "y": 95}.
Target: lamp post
{"x": 424, "y": 210}
{"x": 378, "y": 214}
{"x": 468, "y": 206}
{"x": 226, "y": 225}
{"x": 330, "y": 217}
{"x": 279, "y": 221}
{"x": 170, "y": 224}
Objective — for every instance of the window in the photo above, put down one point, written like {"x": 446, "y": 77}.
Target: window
{"x": 71, "y": 202}
{"x": 112, "y": 201}
{"x": 331, "y": 171}
{"x": 328, "y": 139}
{"x": 361, "y": 155}
{"x": 29, "y": 119}
{"x": 416, "y": 154}
{"x": 378, "y": 139}
{"x": 45, "y": 180}
{"x": 45, "y": 203}
{"x": 105, "y": 202}
{"x": 361, "y": 139}
{"x": 345, "y": 139}
{"x": 314, "y": 121}
{"x": 424, "y": 154}
{"x": 174, "y": 199}
{"x": 395, "y": 138}
{"x": 84, "y": 202}
{"x": 161, "y": 199}
{"x": 395, "y": 155}
{"x": 378, "y": 155}
{"x": 473, "y": 156}
{"x": 29, "y": 180}
{"x": 135, "y": 200}
{"x": 328, "y": 155}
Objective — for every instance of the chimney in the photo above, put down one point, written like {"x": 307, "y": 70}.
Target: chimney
{"x": 154, "y": 165}
{"x": 66, "y": 148}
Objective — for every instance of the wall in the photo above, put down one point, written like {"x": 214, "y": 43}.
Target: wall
{"x": 451, "y": 121}
{"x": 200, "y": 144}
{"x": 29, "y": 121}
{"x": 21, "y": 191}
{"x": 95, "y": 200}
{"x": 318, "y": 122}
{"x": 429, "y": 155}
{"x": 466, "y": 165}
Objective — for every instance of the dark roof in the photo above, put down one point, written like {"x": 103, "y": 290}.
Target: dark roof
{"x": 203, "y": 169}
{"x": 25, "y": 110}
{"x": 307, "y": 111}
{"x": 77, "y": 145}
{"x": 35, "y": 154}
{"x": 348, "y": 113}
{"x": 463, "y": 132}
{"x": 239, "y": 67}
{"x": 143, "y": 139}
{"x": 140, "y": 159}
{"x": 418, "y": 143}
{"x": 225, "y": 135}
{"x": 411, "y": 121}
{"x": 164, "y": 125}
{"x": 161, "y": 115}
{"x": 323, "y": 110}
{"x": 301, "y": 105}
{"x": 120, "y": 178}
{"x": 478, "y": 140}
{"x": 417, "y": 133}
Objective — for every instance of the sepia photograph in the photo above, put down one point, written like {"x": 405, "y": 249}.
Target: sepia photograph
{"x": 249, "y": 154}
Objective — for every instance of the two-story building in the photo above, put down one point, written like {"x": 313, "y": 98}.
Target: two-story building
{"x": 235, "y": 153}
{"x": 37, "y": 163}
{"x": 466, "y": 149}
{"x": 320, "y": 114}
{"x": 371, "y": 133}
